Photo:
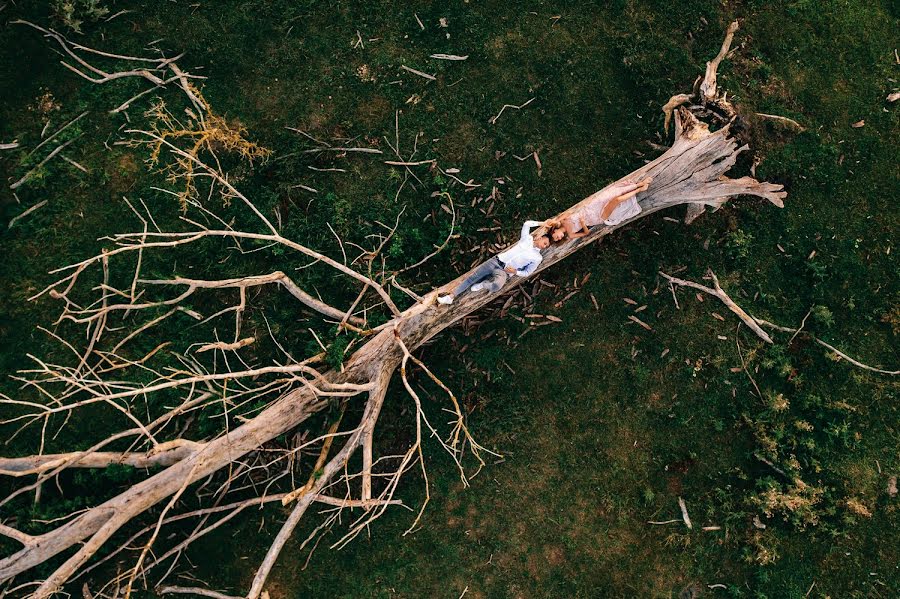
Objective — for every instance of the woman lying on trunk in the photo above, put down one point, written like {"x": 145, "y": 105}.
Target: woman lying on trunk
{"x": 610, "y": 206}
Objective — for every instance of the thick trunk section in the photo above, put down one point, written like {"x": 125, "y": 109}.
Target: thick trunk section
{"x": 692, "y": 171}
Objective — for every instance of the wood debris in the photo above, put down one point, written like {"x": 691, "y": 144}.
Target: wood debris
{"x": 634, "y": 318}
{"x": 227, "y": 346}
{"x": 15, "y": 219}
{"x": 493, "y": 120}
{"x": 449, "y": 56}
{"x": 782, "y": 119}
{"x": 418, "y": 72}
{"x": 684, "y": 513}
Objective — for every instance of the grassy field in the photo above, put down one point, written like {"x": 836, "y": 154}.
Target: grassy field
{"x": 603, "y": 425}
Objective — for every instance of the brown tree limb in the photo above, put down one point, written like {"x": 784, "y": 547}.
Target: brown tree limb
{"x": 718, "y": 292}
{"x": 252, "y": 281}
{"x": 163, "y": 455}
{"x": 755, "y": 324}
{"x": 708, "y": 88}
{"x": 828, "y": 346}
{"x": 692, "y": 171}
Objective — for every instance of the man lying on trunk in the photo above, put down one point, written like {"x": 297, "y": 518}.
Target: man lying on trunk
{"x": 521, "y": 260}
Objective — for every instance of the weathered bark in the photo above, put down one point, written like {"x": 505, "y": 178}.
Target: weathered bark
{"x": 691, "y": 172}
{"x": 165, "y": 454}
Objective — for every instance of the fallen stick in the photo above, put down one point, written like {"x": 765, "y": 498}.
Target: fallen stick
{"x": 853, "y": 361}
{"x": 50, "y": 156}
{"x": 684, "y": 513}
{"x": 26, "y": 213}
{"x": 493, "y": 120}
{"x": 782, "y": 119}
{"x": 449, "y": 56}
{"x": 194, "y": 591}
{"x": 720, "y": 293}
{"x": 417, "y": 72}
{"x": 756, "y": 323}
{"x": 60, "y": 130}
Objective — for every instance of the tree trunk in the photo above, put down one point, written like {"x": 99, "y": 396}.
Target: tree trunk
{"x": 691, "y": 172}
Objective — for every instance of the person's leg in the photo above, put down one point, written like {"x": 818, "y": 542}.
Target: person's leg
{"x": 496, "y": 281}
{"x": 479, "y": 274}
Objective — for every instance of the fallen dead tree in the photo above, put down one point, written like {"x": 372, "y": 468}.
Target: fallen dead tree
{"x": 692, "y": 172}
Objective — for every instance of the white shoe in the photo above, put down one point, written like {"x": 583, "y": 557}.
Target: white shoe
{"x": 445, "y": 299}
{"x": 477, "y": 286}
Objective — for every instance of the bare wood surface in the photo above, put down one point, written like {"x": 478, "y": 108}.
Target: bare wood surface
{"x": 718, "y": 292}
{"x": 693, "y": 171}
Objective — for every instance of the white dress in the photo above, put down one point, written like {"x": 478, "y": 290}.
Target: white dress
{"x": 627, "y": 209}
{"x": 591, "y": 209}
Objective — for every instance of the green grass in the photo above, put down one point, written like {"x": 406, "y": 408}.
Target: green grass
{"x": 600, "y": 432}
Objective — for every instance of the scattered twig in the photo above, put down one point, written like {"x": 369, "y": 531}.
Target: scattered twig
{"x": 346, "y": 150}
{"x": 720, "y": 293}
{"x": 49, "y": 157}
{"x": 75, "y": 164}
{"x": 404, "y": 163}
{"x": 853, "y": 361}
{"x": 634, "y": 318}
{"x": 493, "y": 119}
{"x": 756, "y": 323}
{"x": 15, "y": 219}
{"x": 449, "y": 56}
{"x": 782, "y": 119}
{"x": 417, "y": 72}
{"x": 194, "y": 591}
{"x": 737, "y": 341}
{"x": 802, "y": 324}
{"x": 684, "y": 513}
{"x": 58, "y": 131}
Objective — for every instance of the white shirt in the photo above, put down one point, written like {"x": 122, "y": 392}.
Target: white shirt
{"x": 523, "y": 256}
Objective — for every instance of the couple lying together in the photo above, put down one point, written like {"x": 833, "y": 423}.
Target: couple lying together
{"x": 610, "y": 206}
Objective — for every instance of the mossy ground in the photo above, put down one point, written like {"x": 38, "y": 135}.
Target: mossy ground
{"x": 601, "y": 430}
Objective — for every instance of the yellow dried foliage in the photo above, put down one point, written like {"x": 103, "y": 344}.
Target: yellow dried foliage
{"x": 207, "y": 132}
{"x": 796, "y": 503}
{"x": 858, "y": 507}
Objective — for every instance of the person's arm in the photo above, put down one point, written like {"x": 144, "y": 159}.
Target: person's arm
{"x": 572, "y": 231}
{"x": 530, "y": 267}
{"x": 527, "y": 226}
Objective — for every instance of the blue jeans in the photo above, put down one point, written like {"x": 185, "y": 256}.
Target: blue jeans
{"x": 490, "y": 274}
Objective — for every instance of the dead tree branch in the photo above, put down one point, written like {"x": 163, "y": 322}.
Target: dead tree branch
{"x": 246, "y": 451}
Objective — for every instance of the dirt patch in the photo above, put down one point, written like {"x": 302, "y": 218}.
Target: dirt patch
{"x": 125, "y": 173}
{"x": 554, "y": 555}
{"x": 373, "y": 113}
